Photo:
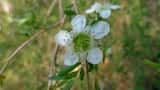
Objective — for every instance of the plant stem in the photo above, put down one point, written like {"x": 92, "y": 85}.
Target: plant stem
{"x": 51, "y": 8}
{"x": 52, "y": 66}
{"x": 75, "y": 6}
{"x": 18, "y": 49}
{"x": 85, "y": 66}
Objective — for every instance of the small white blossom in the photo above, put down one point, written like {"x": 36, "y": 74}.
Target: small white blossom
{"x": 104, "y": 10}
{"x": 114, "y": 7}
{"x": 99, "y": 30}
{"x": 78, "y": 23}
{"x": 63, "y": 38}
{"x": 95, "y": 56}
{"x": 96, "y": 31}
{"x": 94, "y": 8}
{"x": 70, "y": 57}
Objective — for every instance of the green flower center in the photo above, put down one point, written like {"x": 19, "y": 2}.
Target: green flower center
{"x": 81, "y": 42}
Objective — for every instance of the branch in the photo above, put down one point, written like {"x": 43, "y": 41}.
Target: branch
{"x": 9, "y": 59}
{"x": 52, "y": 68}
{"x": 75, "y": 6}
{"x": 85, "y": 67}
{"x": 51, "y": 8}
{"x": 53, "y": 59}
{"x": 61, "y": 13}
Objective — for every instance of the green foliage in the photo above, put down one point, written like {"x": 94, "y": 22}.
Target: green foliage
{"x": 68, "y": 85}
{"x": 65, "y": 73}
{"x": 152, "y": 64}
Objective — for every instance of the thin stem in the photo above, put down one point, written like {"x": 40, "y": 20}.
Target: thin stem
{"x": 85, "y": 67}
{"x": 61, "y": 13}
{"x": 52, "y": 66}
{"x": 9, "y": 59}
{"x": 75, "y": 6}
{"x": 51, "y": 7}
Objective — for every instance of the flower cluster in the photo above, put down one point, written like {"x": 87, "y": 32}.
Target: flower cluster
{"x": 80, "y": 41}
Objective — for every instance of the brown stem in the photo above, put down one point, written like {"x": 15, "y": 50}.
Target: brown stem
{"x": 51, "y": 8}
{"x": 75, "y": 6}
{"x": 52, "y": 66}
{"x": 85, "y": 66}
{"x": 9, "y": 59}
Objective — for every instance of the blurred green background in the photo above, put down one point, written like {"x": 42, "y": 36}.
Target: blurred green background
{"x": 135, "y": 41}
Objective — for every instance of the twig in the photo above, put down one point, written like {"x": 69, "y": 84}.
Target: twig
{"x": 85, "y": 67}
{"x": 8, "y": 60}
{"x": 53, "y": 59}
{"x": 75, "y": 6}
{"x": 61, "y": 13}
{"x": 52, "y": 66}
{"x": 51, "y": 8}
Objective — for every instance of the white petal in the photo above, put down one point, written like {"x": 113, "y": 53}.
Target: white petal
{"x": 63, "y": 38}
{"x": 70, "y": 58}
{"x": 90, "y": 10}
{"x": 95, "y": 7}
{"x": 100, "y": 29}
{"x": 78, "y": 23}
{"x": 114, "y": 7}
{"x": 105, "y": 13}
{"x": 95, "y": 56}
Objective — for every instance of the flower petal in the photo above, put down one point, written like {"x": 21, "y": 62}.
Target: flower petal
{"x": 63, "y": 38}
{"x": 70, "y": 58}
{"x": 114, "y": 7}
{"x": 95, "y": 56}
{"x": 78, "y": 23}
{"x": 95, "y": 7}
{"x": 100, "y": 29}
{"x": 105, "y": 13}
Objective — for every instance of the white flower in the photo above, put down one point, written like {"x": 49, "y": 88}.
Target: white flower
{"x": 96, "y": 31}
{"x": 100, "y": 29}
{"x": 70, "y": 57}
{"x": 63, "y": 38}
{"x": 95, "y": 56}
{"x": 95, "y": 7}
{"x": 104, "y": 10}
{"x": 78, "y": 23}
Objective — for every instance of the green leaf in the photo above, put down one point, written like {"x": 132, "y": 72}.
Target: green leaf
{"x": 152, "y": 64}
{"x": 68, "y": 85}
{"x": 64, "y": 77}
{"x": 67, "y": 69}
